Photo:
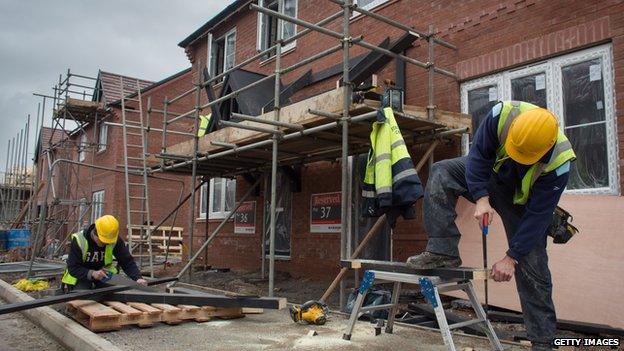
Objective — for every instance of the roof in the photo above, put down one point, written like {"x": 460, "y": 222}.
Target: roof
{"x": 47, "y": 135}
{"x": 108, "y": 86}
{"x": 153, "y": 85}
{"x": 230, "y": 9}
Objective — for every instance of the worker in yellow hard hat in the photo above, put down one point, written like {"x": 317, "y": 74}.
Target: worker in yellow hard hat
{"x": 92, "y": 253}
{"x": 519, "y": 166}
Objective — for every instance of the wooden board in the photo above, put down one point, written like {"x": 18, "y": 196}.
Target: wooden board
{"x": 401, "y": 267}
{"x": 113, "y": 315}
{"x": 586, "y": 272}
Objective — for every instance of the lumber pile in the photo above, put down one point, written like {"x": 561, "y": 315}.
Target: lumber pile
{"x": 114, "y": 315}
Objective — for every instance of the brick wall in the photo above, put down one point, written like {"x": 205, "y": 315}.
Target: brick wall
{"x": 491, "y": 36}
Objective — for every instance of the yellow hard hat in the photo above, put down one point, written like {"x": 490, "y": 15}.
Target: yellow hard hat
{"x": 531, "y": 135}
{"x": 107, "y": 228}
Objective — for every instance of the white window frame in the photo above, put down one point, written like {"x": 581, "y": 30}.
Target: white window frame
{"x": 82, "y": 145}
{"x": 102, "y": 137}
{"x": 210, "y": 186}
{"x": 259, "y": 33}
{"x": 97, "y": 204}
{"x": 370, "y": 6}
{"x": 554, "y": 100}
{"x": 225, "y": 51}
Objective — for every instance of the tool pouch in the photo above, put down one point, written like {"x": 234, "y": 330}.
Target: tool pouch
{"x": 561, "y": 230}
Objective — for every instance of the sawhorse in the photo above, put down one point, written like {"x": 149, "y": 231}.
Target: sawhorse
{"x": 431, "y": 287}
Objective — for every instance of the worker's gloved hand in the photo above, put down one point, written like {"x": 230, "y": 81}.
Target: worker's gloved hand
{"x": 98, "y": 275}
{"x": 503, "y": 270}
{"x": 483, "y": 207}
{"x": 142, "y": 281}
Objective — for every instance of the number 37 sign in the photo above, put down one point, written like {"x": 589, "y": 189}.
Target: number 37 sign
{"x": 325, "y": 213}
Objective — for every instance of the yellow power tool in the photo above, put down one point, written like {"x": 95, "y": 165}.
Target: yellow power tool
{"x": 311, "y": 312}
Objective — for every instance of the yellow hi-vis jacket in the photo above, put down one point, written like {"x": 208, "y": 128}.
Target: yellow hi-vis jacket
{"x": 561, "y": 153}
{"x": 390, "y": 179}
{"x": 83, "y": 244}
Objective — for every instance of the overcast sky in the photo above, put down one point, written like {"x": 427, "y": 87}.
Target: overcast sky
{"x": 40, "y": 39}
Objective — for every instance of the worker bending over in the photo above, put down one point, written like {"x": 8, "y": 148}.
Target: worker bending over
{"x": 91, "y": 256}
{"x": 519, "y": 165}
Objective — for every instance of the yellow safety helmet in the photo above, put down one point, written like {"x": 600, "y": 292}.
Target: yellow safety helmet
{"x": 531, "y": 135}
{"x": 107, "y": 228}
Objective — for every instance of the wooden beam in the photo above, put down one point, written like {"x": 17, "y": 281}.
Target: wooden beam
{"x": 198, "y": 300}
{"x": 401, "y": 267}
{"x": 95, "y": 294}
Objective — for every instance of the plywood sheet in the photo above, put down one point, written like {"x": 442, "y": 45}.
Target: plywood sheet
{"x": 588, "y": 274}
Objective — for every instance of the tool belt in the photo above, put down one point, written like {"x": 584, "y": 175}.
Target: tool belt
{"x": 560, "y": 229}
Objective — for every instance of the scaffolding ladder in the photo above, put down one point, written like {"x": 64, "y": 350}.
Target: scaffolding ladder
{"x": 136, "y": 175}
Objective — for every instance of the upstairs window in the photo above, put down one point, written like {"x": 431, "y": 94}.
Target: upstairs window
{"x": 221, "y": 53}
{"x": 82, "y": 147}
{"x": 103, "y": 139}
{"x": 267, "y": 25}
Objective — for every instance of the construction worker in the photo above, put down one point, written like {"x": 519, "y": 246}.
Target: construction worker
{"x": 519, "y": 166}
{"x": 91, "y": 256}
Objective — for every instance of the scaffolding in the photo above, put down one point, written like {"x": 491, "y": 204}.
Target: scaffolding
{"x": 297, "y": 143}
{"x": 333, "y": 133}
{"x": 68, "y": 191}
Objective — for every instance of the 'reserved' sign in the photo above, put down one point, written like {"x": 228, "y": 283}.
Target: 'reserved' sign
{"x": 325, "y": 213}
{"x": 245, "y": 218}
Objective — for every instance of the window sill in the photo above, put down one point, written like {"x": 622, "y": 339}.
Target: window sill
{"x": 101, "y": 151}
{"x": 272, "y": 58}
{"x": 213, "y": 219}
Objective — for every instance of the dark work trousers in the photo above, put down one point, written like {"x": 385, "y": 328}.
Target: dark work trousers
{"x": 447, "y": 181}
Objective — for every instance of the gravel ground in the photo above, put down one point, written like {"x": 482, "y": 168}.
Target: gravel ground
{"x": 19, "y": 334}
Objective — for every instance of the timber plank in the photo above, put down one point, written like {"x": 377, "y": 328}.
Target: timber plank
{"x": 93, "y": 315}
{"x": 170, "y": 314}
{"x": 401, "y": 267}
{"x": 130, "y": 315}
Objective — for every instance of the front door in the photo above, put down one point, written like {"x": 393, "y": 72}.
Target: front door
{"x": 283, "y": 217}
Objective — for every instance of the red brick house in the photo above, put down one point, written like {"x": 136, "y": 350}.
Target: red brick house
{"x": 563, "y": 55}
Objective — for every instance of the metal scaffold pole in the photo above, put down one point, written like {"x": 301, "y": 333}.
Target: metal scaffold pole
{"x": 346, "y": 103}
{"x": 276, "y": 117}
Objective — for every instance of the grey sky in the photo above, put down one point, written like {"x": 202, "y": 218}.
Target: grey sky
{"x": 40, "y": 39}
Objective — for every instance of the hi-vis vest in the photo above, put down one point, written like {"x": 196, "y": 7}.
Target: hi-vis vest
{"x": 390, "y": 178}
{"x": 83, "y": 244}
{"x": 204, "y": 122}
{"x": 561, "y": 153}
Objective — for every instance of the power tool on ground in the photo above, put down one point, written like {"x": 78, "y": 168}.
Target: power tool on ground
{"x": 311, "y": 312}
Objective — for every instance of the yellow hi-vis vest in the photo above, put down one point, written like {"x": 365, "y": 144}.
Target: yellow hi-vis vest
{"x": 562, "y": 151}
{"x": 204, "y": 122}
{"x": 83, "y": 244}
{"x": 390, "y": 177}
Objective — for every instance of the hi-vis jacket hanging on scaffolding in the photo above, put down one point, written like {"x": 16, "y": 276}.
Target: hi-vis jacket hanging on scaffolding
{"x": 391, "y": 184}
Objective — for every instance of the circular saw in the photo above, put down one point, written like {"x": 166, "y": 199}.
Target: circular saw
{"x": 311, "y": 312}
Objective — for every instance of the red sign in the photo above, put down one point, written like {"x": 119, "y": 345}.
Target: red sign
{"x": 245, "y": 218}
{"x": 325, "y": 212}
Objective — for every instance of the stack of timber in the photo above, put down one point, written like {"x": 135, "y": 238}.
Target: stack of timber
{"x": 113, "y": 315}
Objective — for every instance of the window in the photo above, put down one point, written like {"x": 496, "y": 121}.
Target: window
{"x": 97, "y": 205}
{"x": 221, "y": 53}
{"x": 82, "y": 211}
{"x": 578, "y": 88}
{"x": 82, "y": 153}
{"x": 267, "y": 25}
{"x": 103, "y": 139}
{"x": 368, "y": 4}
{"x": 222, "y": 198}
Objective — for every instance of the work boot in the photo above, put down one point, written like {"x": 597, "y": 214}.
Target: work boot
{"x": 430, "y": 260}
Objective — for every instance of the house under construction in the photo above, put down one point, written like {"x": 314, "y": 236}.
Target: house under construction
{"x": 252, "y": 158}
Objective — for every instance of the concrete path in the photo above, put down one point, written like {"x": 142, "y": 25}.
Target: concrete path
{"x": 274, "y": 330}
